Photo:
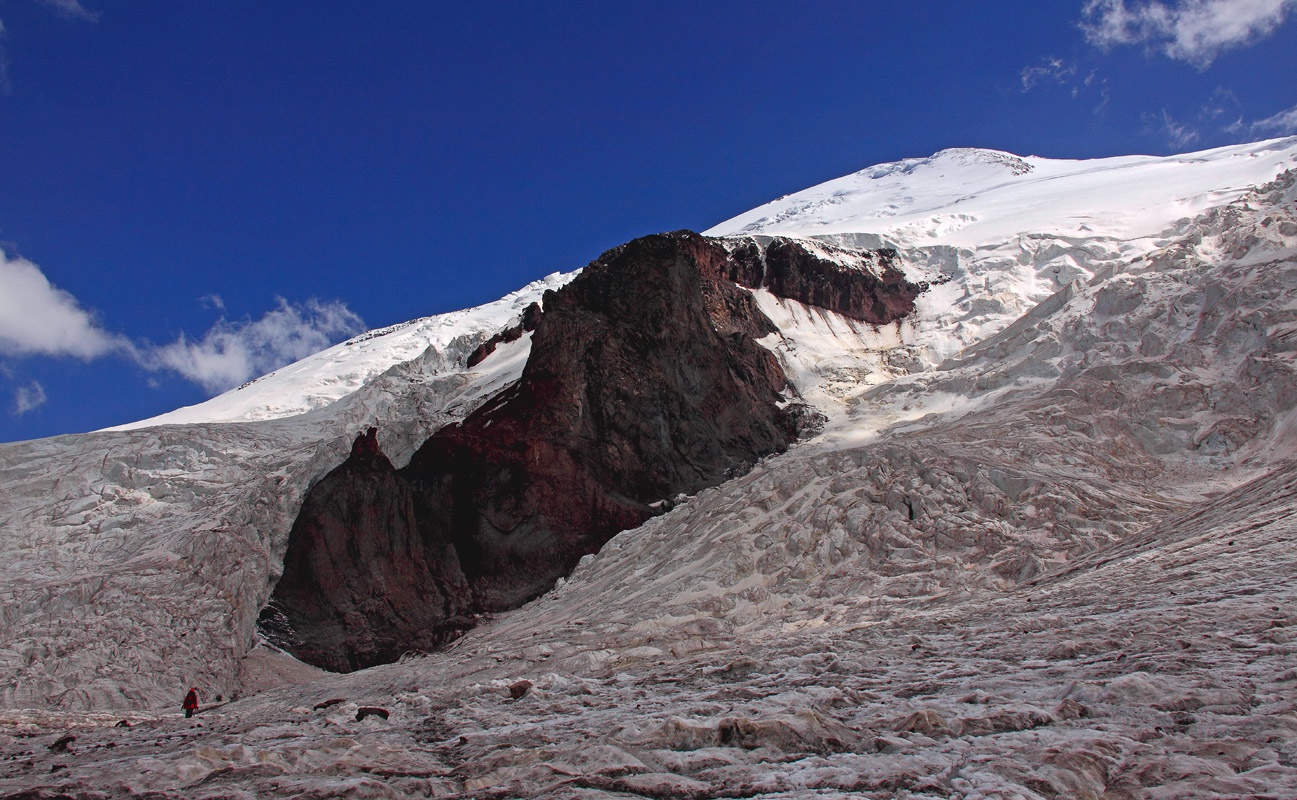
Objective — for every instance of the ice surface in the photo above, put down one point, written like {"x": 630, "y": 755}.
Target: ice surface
{"x": 1045, "y": 547}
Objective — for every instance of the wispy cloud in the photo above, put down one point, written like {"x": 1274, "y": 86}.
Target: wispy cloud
{"x": 38, "y": 318}
{"x": 1178, "y": 134}
{"x": 212, "y": 300}
{"x": 1282, "y": 124}
{"x": 1223, "y": 103}
{"x": 231, "y": 353}
{"x": 1053, "y": 71}
{"x": 1196, "y": 31}
{"x": 5, "y": 86}
{"x": 28, "y": 398}
{"x": 71, "y": 9}
{"x": 1050, "y": 69}
{"x": 68, "y": 9}
{"x": 1105, "y": 97}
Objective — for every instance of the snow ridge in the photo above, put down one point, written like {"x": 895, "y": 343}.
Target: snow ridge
{"x": 968, "y": 197}
{"x": 326, "y": 377}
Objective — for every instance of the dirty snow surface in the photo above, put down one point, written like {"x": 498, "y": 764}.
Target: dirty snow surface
{"x": 1045, "y": 547}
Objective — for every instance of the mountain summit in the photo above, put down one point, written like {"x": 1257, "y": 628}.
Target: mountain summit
{"x": 970, "y": 197}
{"x": 968, "y": 475}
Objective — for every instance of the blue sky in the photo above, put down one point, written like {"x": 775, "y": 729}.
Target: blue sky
{"x": 192, "y": 194}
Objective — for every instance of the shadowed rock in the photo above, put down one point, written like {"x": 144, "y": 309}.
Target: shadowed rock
{"x": 370, "y": 711}
{"x": 644, "y": 381}
{"x": 865, "y": 286}
{"x": 361, "y": 585}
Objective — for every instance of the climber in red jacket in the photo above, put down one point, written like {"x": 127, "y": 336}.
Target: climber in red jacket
{"x": 191, "y": 702}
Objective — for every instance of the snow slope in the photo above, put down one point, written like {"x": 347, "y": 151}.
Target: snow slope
{"x": 1063, "y": 565}
{"x": 966, "y": 197}
{"x": 994, "y": 235}
{"x": 329, "y": 375}
{"x": 1044, "y": 547}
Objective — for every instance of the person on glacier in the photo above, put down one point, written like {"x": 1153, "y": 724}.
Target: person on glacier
{"x": 191, "y": 702}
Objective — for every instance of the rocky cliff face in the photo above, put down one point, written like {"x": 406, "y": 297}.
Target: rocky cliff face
{"x": 644, "y": 381}
{"x": 866, "y": 286}
{"x": 366, "y": 586}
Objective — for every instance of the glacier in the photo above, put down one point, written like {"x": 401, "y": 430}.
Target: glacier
{"x": 1042, "y": 546}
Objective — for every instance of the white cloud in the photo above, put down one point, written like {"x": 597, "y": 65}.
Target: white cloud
{"x": 1196, "y": 31}
{"x": 212, "y": 300}
{"x": 71, "y": 9}
{"x": 27, "y": 398}
{"x": 38, "y": 318}
{"x": 1054, "y": 69}
{"x": 231, "y": 353}
{"x": 1282, "y": 124}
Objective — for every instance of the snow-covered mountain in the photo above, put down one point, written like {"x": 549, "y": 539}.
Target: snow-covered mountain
{"x": 996, "y": 234}
{"x": 1039, "y": 544}
{"x": 330, "y": 375}
{"x": 970, "y": 197}
{"x": 993, "y": 212}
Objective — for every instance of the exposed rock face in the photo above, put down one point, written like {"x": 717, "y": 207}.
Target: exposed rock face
{"x": 644, "y": 381}
{"x": 530, "y": 319}
{"x": 361, "y": 585}
{"x": 866, "y": 286}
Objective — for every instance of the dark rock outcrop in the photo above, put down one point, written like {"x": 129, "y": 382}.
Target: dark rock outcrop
{"x": 63, "y": 744}
{"x": 530, "y": 320}
{"x": 644, "y": 381}
{"x": 519, "y": 689}
{"x": 865, "y": 286}
{"x": 361, "y": 585}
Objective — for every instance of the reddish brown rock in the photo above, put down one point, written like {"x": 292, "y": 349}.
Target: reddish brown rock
{"x": 361, "y": 586}
{"x": 519, "y": 690}
{"x": 865, "y": 286}
{"x": 644, "y": 382}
